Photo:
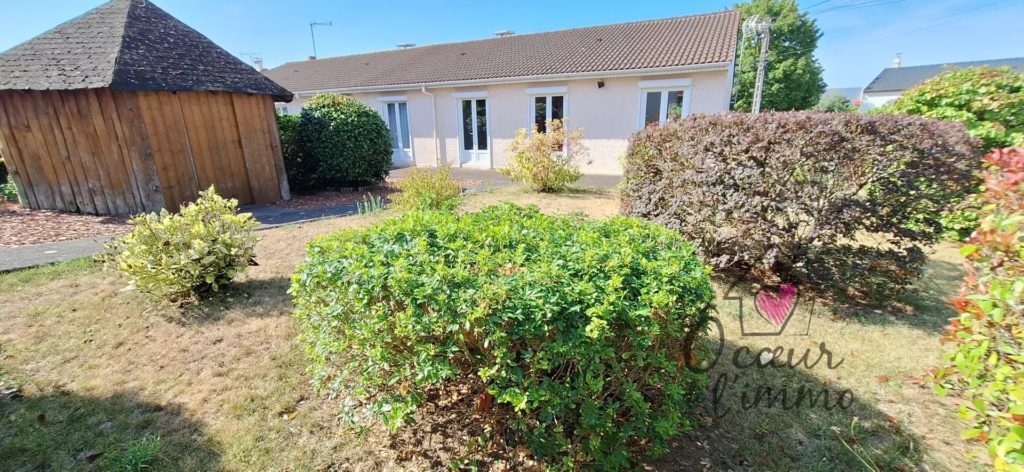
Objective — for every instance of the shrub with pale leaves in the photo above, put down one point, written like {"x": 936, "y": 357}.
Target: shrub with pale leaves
{"x": 182, "y": 256}
{"x": 546, "y": 162}
{"x": 428, "y": 189}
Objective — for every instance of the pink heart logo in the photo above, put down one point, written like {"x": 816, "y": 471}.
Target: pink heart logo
{"x": 776, "y": 307}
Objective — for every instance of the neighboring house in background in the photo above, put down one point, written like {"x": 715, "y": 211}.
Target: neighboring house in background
{"x": 891, "y": 82}
{"x": 460, "y": 104}
{"x": 851, "y": 93}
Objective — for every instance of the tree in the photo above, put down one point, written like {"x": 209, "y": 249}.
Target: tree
{"x": 835, "y": 102}
{"x": 989, "y": 101}
{"x": 792, "y": 74}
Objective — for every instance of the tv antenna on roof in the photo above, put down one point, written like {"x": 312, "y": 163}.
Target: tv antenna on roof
{"x": 757, "y": 26}
{"x": 252, "y": 56}
{"x": 312, "y": 33}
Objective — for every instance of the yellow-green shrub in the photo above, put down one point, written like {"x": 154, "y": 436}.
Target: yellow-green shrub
{"x": 181, "y": 256}
{"x": 547, "y": 162}
{"x": 428, "y": 190}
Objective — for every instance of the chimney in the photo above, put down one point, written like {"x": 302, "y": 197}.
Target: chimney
{"x": 312, "y": 58}
{"x": 257, "y": 62}
{"x": 896, "y": 63}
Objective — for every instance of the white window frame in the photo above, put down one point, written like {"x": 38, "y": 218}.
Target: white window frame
{"x": 282, "y": 108}
{"x": 664, "y": 87}
{"x": 547, "y": 93}
{"x": 396, "y": 99}
{"x": 477, "y": 95}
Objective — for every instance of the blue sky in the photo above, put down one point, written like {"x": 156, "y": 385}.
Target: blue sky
{"x": 860, "y": 36}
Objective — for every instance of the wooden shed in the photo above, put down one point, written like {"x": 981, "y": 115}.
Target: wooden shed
{"x": 127, "y": 110}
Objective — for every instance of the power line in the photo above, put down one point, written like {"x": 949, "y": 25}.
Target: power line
{"x": 853, "y": 6}
{"x": 822, "y": 2}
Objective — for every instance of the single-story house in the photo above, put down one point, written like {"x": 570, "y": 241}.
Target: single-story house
{"x": 893, "y": 81}
{"x": 126, "y": 109}
{"x": 460, "y": 104}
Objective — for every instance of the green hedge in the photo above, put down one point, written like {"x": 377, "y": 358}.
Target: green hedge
{"x": 346, "y": 142}
{"x": 576, "y": 327}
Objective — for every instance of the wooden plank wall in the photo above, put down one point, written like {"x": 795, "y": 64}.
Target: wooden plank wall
{"x": 103, "y": 152}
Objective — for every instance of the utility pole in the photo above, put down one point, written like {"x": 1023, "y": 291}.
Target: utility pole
{"x": 312, "y": 33}
{"x": 763, "y": 27}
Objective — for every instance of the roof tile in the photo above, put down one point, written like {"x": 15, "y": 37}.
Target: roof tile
{"x": 129, "y": 45}
{"x": 690, "y": 40}
{"x": 898, "y": 79}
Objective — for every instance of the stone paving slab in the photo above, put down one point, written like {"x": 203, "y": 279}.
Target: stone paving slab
{"x": 49, "y": 253}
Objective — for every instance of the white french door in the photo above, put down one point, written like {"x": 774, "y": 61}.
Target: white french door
{"x": 397, "y": 114}
{"x": 474, "y": 149}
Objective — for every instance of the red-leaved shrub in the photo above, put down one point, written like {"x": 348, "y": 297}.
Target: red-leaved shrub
{"x": 792, "y": 195}
{"x": 987, "y": 365}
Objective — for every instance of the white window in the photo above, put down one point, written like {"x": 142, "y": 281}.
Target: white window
{"x": 282, "y": 109}
{"x": 662, "y": 100}
{"x": 546, "y": 104}
{"x": 546, "y": 108}
{"x": 396, "y": 115}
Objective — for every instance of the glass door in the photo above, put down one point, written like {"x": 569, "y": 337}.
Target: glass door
{"x": 474, "y": 151}
{"x": 401, "y": 144}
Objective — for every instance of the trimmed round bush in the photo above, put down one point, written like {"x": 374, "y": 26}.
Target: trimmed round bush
{"x": 301, "y": 170}
{"x": 346, "y": 141}
{"x": 787, "y": 195}
{"x": 575, "y": 329}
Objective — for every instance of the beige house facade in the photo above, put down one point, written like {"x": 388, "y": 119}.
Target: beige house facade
{"x": 470, "y": 121}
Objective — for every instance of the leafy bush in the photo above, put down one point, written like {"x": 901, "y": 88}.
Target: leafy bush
{"x": 346, "y": 142}
{"x": 301, "y": 171}
{"x": 547, "y": 162}
{"x": 573, "y": 328}
{"x": 989, "y": 101}
{"x": 426, "y": 189}
{"x": 987, "y": 363}
{"x": 776, "y": 194}
{"x": 835, "y": 102}
{"x": 185, "y": 255}
{"x": 8, "y": 191}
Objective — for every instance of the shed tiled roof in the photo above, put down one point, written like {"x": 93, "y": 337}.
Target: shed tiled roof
{"x": 898, "y": 79}
{"x": 683, "y": 41}
{"x": 129, "y": 45}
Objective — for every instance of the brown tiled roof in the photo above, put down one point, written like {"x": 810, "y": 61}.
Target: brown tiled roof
{"x": 673, "y": 42}
{"x": 129, "y": 45}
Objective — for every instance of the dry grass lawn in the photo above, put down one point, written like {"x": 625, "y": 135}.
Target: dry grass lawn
{"x": 92, "y": 371}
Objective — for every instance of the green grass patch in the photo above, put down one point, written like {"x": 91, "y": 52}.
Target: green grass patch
{"x": 16, "y": 280}
{"x": 135, "y": 456}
